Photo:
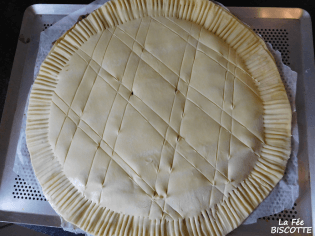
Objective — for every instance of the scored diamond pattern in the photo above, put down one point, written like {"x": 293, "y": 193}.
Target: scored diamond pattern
{"x": 170, "y": 124}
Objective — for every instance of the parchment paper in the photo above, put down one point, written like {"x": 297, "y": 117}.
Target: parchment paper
{"x": 282, "y": 196}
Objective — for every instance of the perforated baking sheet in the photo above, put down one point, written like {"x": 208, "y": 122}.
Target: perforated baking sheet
{"x": 20, "y": 198}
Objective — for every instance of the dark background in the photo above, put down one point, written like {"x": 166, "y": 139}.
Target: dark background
{"x": 12, "y": 14}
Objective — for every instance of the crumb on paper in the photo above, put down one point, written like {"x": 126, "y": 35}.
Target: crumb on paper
{"x": 82, "y": 17}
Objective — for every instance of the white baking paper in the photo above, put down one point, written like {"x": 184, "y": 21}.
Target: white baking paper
{"x": 283, "y": 195}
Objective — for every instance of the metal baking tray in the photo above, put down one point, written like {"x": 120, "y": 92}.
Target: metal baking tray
{"x": 289, "y": 30}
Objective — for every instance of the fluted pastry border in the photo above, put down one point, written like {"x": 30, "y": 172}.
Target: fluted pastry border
{"x": 230, "y": 212}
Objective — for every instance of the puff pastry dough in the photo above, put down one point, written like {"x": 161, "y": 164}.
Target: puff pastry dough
{"x": 158, "y": 118}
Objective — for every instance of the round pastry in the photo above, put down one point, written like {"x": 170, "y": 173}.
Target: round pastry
{"x": 158, "y": 118}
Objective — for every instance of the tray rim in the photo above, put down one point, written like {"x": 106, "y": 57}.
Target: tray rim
{"x": 7, "y": 125}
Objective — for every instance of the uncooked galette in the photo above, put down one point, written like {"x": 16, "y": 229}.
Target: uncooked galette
{"x": 158, "y": 117}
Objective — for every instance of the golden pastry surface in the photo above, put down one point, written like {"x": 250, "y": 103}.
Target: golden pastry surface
{"x": 165, "y": 115}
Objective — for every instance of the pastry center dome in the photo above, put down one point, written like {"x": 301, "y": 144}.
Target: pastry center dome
{"x": 156, "y": 117}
